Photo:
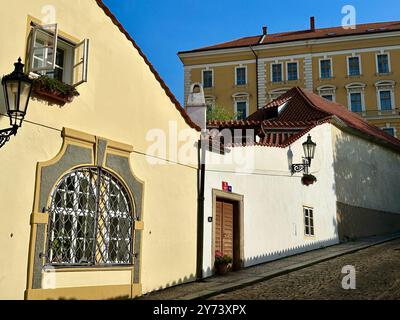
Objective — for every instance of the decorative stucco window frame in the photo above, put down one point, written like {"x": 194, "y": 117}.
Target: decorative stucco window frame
{"x": 241, "y": 97}
{"x": 385, "y": 85}
{"x": 272, "y": 64}
{"x": 287, "y": 70}
{"x": 320, "y": 69}
{"x": 356, "y": 87}
{"x": 327, "y": 90}
{"x": 81, "y": 150}
{"x": 359, "y": 65}
{"x": 241, "y": 66}
{"x": 377, "y": 62}
{"x": 273, "y": 94}
{"x": 212, "y": 77}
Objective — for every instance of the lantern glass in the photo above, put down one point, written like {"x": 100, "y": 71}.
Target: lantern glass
{"x": 12, "y": 95}
{"x": 17, "y": 89}
{"x": 309, "y": 148}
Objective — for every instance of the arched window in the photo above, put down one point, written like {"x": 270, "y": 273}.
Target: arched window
{"x": 91, "y": 220}
{"x": 328, "y": 92}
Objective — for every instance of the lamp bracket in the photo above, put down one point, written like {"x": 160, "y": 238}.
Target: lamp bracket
{"x": 6, "y": 134}
{"x": 303, "y": 167}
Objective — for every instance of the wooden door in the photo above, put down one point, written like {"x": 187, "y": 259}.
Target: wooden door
{"x": 224, "y": 228}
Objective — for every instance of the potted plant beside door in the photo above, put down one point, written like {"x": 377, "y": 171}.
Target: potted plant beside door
{"x": 221, "y": 263}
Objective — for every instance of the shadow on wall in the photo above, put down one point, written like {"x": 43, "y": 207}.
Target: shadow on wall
{"x": 366, "y": 180}
{"x": 3, "y": 110}
{"x": 279, "y": 254}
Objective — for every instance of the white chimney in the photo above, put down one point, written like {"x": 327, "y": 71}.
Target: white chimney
{"x": 196, "y": 106}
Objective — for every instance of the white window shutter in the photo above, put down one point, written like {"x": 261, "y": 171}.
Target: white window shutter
{"x": 80, "y": 68}
{"x": 43, "y": 48}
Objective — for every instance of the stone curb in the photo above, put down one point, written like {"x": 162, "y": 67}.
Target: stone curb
{"x": 204, "y": 294}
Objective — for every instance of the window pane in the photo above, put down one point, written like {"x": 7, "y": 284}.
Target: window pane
{"x": 326, "y": 71}
{"x": 386, "y": 100}
{"x": 207, "y": 79}
{"x": 241, "y": 76}
{"x": 83, "y": 230}
{"x": 389, "y": 131}
{"x": 241, "y": 110}
{"x": 383, "y": 63}
{"x": 276, "y": 73}
{"x": 356, "y": 102}
{"x": 292, "y": 71}
{"x": 328, "y": 97}
{"x": 354, "y": 66}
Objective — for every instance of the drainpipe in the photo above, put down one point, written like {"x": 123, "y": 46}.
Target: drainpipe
{"x": 257, "y": 77}
{"x": 197, "y": 110}
{"x": 200, "y": 207}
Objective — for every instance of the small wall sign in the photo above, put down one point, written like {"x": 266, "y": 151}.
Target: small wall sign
{"x": 226, "y": 187}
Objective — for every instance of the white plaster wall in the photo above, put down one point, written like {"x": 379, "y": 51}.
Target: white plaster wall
{"x": 274, "y": 200}
{"x": 367, "y": 175}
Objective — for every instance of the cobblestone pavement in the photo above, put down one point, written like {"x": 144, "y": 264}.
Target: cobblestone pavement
{"x": 377, "y": 277}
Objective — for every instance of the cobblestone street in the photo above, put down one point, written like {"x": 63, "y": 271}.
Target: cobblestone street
{"x": 377, "y": 277}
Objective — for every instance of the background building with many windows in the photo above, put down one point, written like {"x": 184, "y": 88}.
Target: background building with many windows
{"x": 354, "y": 67}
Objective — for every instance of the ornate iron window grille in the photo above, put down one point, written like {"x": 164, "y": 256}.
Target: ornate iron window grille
{"x": 91, "y": 221}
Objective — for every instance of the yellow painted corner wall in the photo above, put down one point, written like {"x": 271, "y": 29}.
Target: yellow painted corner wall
{"x": 337, "y": 50}
{"x": 122, "y": 101}
{"x": 224, "y": 85}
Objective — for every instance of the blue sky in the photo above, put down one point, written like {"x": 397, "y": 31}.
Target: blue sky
{"x": 163, "y": 27}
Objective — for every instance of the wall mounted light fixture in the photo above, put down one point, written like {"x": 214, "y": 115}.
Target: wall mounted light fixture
{"x": 309, "y": 152}
{"x": 17, "y": 92}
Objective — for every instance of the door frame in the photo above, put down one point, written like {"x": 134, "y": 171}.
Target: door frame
{"x": 238, "y": 212}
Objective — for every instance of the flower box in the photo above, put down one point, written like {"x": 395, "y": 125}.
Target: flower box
{"x": 54, "y": 90}
{"x": 53, "y": 96}
{"x": 308, "y": 179}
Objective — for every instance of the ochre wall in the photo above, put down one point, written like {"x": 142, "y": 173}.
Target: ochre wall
{"x": 122, "y": 101}
{"x": 224, "y": 74}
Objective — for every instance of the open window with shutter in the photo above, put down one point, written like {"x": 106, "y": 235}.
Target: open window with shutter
{"x": 57, "y": 57}
{"x": 43, "y": 48}
{"x": 80, "y": 67}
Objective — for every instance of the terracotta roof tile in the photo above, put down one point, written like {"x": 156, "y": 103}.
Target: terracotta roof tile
{"x": 305, "y": 110}
{"x": 368, "y": 28}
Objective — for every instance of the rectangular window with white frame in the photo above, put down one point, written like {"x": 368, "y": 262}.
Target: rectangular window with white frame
{"x": 385, "y": 100}
{"x": 292, "y": 71}
{"x": 56, "y": 57}
{"x": 241, "y": 110}
{"x": 308, "y": 222}
{"x": 208, "y": 78}
{"x": 241, "y": 76}
{"x": 383, "y": 63}
{"x": 325, "y": 69}
{"x": 354, "y": 66}
{"x": 356, "y": 103}
{"x": 276, "y": 72}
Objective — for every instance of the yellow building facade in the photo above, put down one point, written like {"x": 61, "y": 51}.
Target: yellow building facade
{"x": 358, "y": 68}
{"x": 87, "y": 163}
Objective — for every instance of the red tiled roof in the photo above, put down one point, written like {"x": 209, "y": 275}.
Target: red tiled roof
{"x": 368, "y": 28}
{"x": 171, "y": 96}
{"x": 350, "y": 118}
{"x": 305, "y": 110}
